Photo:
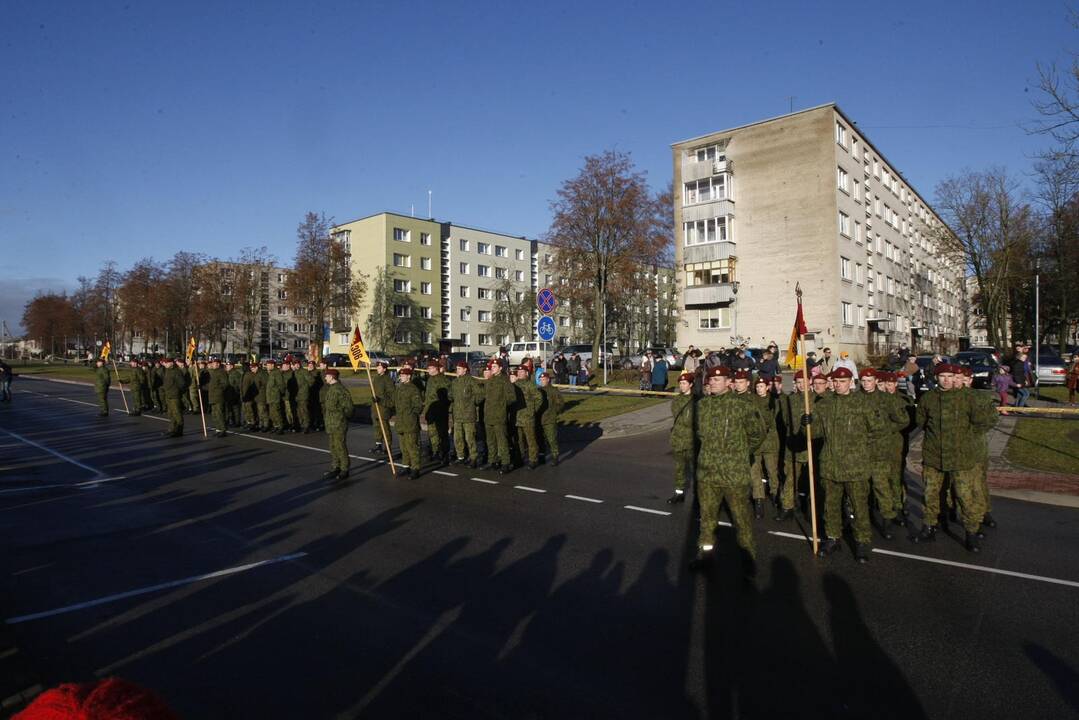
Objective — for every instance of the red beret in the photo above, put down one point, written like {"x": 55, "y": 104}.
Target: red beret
{"x": 406, "y": 370}
{"x": 967, "y": 370}
{"x": 433, "y": 363}
{"x": 800, "y": 375}
{"x": 271, "y": 361}
{"x": 719, "y": 371}
{"x": 332, "y": 372}
{"x": 763, "y": 379}
{"x": 547, "y": 375}
{"x": 741, "y": 374}
{"x": 944, "y": 368}
{"x": 462, "y": 364}
{"x": 870, "y": 372}
{"x": 841, "y": 372}
{"x": 492, "y": 362}
{"x": 109, "y": 698}
{"x": 686, "y": 377}
{"x": 526, "y": 369}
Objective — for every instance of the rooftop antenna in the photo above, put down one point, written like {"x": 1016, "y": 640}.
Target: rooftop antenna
{"x": 429, "y": 215}
{"x": 412, "y": 212}
{"x": 790, "y": 99}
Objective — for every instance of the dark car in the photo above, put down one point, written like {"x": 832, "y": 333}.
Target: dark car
{"x": 923, "y": 380}
{"x": 981, "y": 363}
{"x": 476, "y": 359}
{"x": 337, "y": 360}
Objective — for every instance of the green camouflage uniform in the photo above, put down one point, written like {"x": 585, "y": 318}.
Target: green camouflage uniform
{"x": 317, "y": 384}
{"x": 337, "y": 411}
{"x": 193, "y": 387}
{"x": 893, "y": 418}
{"x": 729, "y": 430}
{"x": 138, "y": 390}
{"x": 407, "y": 408}
{"x": 464, "y": 394}
{"x": 549, "y": 411}
{"x": 846, "y": 424}
{"x": 897, "y": 443}
{"x": 382, "y": 393}
{"x": 796, "y": 437}
{"x": 102, "y": 381}
{"x": 174, "y": 388}
{"x": 304, "y": 380}
{"x": 498, "y": 397}
{"x": 683, "y": 437}
{"x": 529, "y": 400}
{"x": 249, "y": 391}
{"x": 157, "y": 387}
{"x": 262, "y": 381}
{"x": 767, "y": 458}
{"x": 288, "y": 398}
{"x": 216, "y": 391}
{"x": 436, "y": 411}
{"x": 276, "y": 394}
{"x": 232, "y": 397}
{"x": 953, "y": 423}
{"x": 981, "y": 468}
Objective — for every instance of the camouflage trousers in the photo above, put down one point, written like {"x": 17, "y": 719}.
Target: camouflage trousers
{"x": 550, "y": 439}
{"x": 897, "y": 475}
{"x": 410, "y": 449}
{"x": 438, "y": 435}
{"x": 683, "y": 464}
{"x": 290, "y": 413}
{"x": 339, "y": 459}
{"x": 797, "y": 480}
{"x": 232, "y": 412}
{"x": 765, "y": 464}
{"x": 176, "y": 415}
{"x": 159, "y": 398}
{"x": 981, "y": 487}
{"x": 217, "y": 414}
{"x": 264, "y": 415}
{"x": 103, "y": 401}
{"x": 527, "y": 442}
{"x": 962, "y": 482}
{"x": 464, "y": 439}
{"x": 277, "y": 419}
{"x": 303, "y": 414}
{"x": 498, "y": 443}
{"x": 711, "y": 496}
{"x": 881, "y": 478}
{"x": 857, "y": 492}
{"x": 250, "y": 416}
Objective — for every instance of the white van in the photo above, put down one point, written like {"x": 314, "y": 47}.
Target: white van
{"x": 532, "y": 349}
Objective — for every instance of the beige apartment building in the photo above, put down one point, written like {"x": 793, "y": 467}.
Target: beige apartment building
{"x": 807, "y": 199}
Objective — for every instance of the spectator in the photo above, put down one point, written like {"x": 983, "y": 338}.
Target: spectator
{"x": 539, "y": 371}
{"x": 585, "y": 373}
{"x": 645, "y": 382}
{"x": 691, "y": 360}
{"x": 1002, "y": 383}
{"x": 827, "y": 363}
{"x": 659, "y": 374}
{"x": 845, "y": 362}
{"x": 573, "y": 368}
{"x": 1021, "y": 376}
{"x": 768, "y": 365}
{"x": 6, "y": 376}
{"x": 740, "y": 361}
{"x": 559, "y": 367}
{"x": 1072, "y": 379}
{"x": 811, "y": 362}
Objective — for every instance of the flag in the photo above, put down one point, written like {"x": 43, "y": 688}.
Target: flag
{"x": 793, "y": 360}
{"x": 106, "y": 350}
{"x": 191, "y": 347}
{"x": 313, "y": 351}
{"x": 356, "y": 352}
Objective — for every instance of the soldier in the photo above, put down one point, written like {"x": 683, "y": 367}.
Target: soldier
{"x": 740, "y": 384}
{"x": 407, "y": 408}
{"x": 173, "y": 387}
{"x": 528, "y": 402}
{"x": 981, "y": 468}
{"x": 951, "y": 422}
{"x": 304, "y": 378}
{"x": 465, "y": 391}
{"x": 217, "y": 388}
{"x": 729, "y": 431}
{"x": 481, "y": 433}
{"x": 157, "y": 382}
{"x": 194, "y": 386}
{"x": 316, "y": 395}
{"x": 288, "y": 400}
{"x": 102, "y": 381}
{"x": 138, "y": 388}
{"x": 249, "y": 391}
{"x": 797, "y": 451}
{"x": 337, "y": 409}
{"x": 897, "y": 446}
{"x": 498, "y": 396}
{"x": 846, "y": 424}
{"x": 893, "y": 418}
{"x": 382, "y": 393}
{"x": 683, "y": 435}
{"x": 185, "y": 398}
{"x": 235, "y": 374}
{"x": 766, "y": 460}
{"x": 276, "y": 395}
{"x": 262, "y": 382}
{"x": 436, "y": 410}
{"x": 549, "y": 411}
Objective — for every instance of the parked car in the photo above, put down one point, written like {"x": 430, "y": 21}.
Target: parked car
{"x": 981, "y": 363}
{"x": 1052, "y": 370}
{"x": 585, "y": 351}
{"x": 672, "y": 356}
{"x": 476, "y": 359}
{"x": 986, "y": 349}
{"x": 337, "y": 360}
{"x": 531, "y": 348}
{"x": 923, "y": 381}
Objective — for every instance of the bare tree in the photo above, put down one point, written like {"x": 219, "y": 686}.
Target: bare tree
{"x": 512, "y": 316}
{"x": 140, "y": 302}
{"x": 250, "y": 271}
{"x": 49, "y": 317}
{"x": 1057, "y": 196}
{"x": 606, "y": 226}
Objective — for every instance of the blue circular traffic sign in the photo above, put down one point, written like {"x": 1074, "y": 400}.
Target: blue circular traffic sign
{"x": 545, "y": 328}
{"x": 546, "y": 301}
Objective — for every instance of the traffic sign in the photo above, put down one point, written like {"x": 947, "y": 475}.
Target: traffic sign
{"x": 546, "y": 301}
{"x": 545, "y": 328}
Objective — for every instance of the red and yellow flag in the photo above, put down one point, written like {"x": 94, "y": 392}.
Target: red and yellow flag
{"x": 357, "y": 353}
{"x": 314, "y": 351}
{"x": 191, "y": 347}
{"x": 800, "y": 329}
{"x": 106, "y": 350}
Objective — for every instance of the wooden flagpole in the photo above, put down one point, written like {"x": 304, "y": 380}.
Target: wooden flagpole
{"x": 381, "y": 426}
{"x": 118, "y": 380}
{"x": 808, "y": 428}
{"x": 198, "y": 388}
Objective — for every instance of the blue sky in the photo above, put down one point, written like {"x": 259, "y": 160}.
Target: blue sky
{"x": 134, "y": 129}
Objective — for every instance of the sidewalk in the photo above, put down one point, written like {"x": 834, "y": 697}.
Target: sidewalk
{"x": 653, "y": 418}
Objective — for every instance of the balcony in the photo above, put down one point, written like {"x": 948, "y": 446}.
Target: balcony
{"x": 709, "y": 294}
{"x": 708, "y": 252}
{"x": 693, "y": 170}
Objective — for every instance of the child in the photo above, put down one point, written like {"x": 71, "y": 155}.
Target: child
{"x": 1002, "y": 382}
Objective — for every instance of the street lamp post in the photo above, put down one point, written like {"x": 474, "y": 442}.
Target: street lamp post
{"x": 1037, "y": 317}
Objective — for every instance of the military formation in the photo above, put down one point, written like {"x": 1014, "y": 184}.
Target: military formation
{"x": 498, "y": 423}
{"x": 743, "y": 442}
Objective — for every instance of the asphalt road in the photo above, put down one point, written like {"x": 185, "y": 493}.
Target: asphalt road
{"x": 224, "y": 574}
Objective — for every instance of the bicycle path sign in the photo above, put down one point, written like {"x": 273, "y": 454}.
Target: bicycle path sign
{"x": 545, "y": 328}
{"x": 546, "y": 301}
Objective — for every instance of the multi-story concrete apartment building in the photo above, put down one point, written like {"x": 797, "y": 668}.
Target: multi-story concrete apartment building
{"x": 807, "y": 199}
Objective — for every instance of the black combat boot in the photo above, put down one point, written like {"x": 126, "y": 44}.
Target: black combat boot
{"x": 972, "y": 543}
{"x": 702, "y": 561}
{"x": 988, "y": 521}
{"x": 830, "y": 546}
{"x": 554, "y": 460}
{"x": 473, "y": 463}
{"x": 899, "y": 521}
{"x": 928, "y": 534}
{"x": 413, "y": 474}
{"x": 330, "y": 475}
{"x": 861, "y": 553}
{"x": 758, "y": 509}
{"x": 785, "y": 515}
{"x": 679, "y": 496}
{"x": 885, "y": 531}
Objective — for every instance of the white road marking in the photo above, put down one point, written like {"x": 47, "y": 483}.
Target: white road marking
{"x": 529, "y": 489}
{"x": 583, "y": 499}
{"x": 645, "y": 510}
{"x": 443, "y": 472}
{"x": 54, "y": 453}
{"x": 793, "y": 536}
{"x": 153, "y": 588}
{"x": 485, "y": 480}
{"x": 981, "y": 568}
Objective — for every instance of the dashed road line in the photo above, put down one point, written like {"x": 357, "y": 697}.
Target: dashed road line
{"x": 529, "y": 489}
{"x": 980, "y": 568}
{"x": 55, "y": 453}
{"x": 584, "y": 499}
{"x": 485, "y": 480}
{"x": 646, "y": 510}
{"x": 793, "y": 536}
{"x": 443, "y": 472}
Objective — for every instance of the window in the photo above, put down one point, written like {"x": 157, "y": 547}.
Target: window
{"x": 483, "y": 248}
{"x": 519, "y": 275}
{"x": 844, "y": 223}
{"x": 281, "y": 294}
{"x": 857, "y": 232}
{"x": 861, "y": 316}
{"x": 547, "y": 280}
{"x": 466, "y": 314}
{"x": 280, "y": 327}
{"x": 485, "y": 316}
{"x": 280, "y": 309}
{"x": 402, "y": 311}
{"x": 547, "y": 258}
{"x": 484, "y": 293}
{"x": 705, "y": 231}
{"x": 425, "y": 313}
{"x": 848, "y": 314}
{"x": 708, "y": 153}
{"x": 857, "y": 191}
{"x": 876, "y": 168}
{"x": 464, "y": 268}
{"x": 463, "y": 244}
{"x": 402, "y": 260}
{"x": 428, "y": 337}
{"x": 844, "y": 268}
{"x": 425, "y": 288}
{"x": 519, "y": 254}
{"x": 842, "y": 180}
{"x": 563, "y": 321}
{"x": 402, "y": 285}
{"x": 876, "y": 205}
{"x": 710, "y": 318}
{"x": 891, "y": 286}
{"x": 502, "y": 295}
{"x": 425, "y": 238}
{"x": 402, "y": 337}
{"x": 465, "y": 292}
{"x": 483, "y": 270}
{"x": 519, "y": 296}
{"x": 501, "y": 273}
{"x": 500, "y": 251}
{"x": 484, "y": 339}
{"x": 402, "y": 235}
{"x": 425, "y": 263}
{"x": 280, "y": 277}
{"x": 706, "y": 190}
{"x": 713, "y": 273}
{"x": 840, "y": 134}
{"x": 859, "y": 275}
{"x": 854, "y": 147}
